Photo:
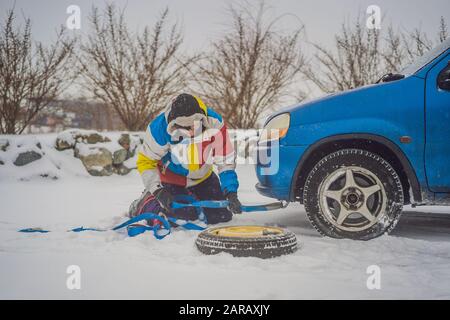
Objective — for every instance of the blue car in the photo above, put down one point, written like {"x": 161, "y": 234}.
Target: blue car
{"x": 353, "y": 159}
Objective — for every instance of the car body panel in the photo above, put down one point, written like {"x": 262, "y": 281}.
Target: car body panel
{"x": 391, "y": 110}
{"x": 437, "y": 153}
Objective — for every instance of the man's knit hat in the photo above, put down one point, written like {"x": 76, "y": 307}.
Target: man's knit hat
{"x": 184, "y": 110}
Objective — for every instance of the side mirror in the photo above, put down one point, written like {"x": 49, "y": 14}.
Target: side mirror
{"x": 443, "y": 79}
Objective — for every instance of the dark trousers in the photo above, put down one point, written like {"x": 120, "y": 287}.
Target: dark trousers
{"x": 206, "y": 190}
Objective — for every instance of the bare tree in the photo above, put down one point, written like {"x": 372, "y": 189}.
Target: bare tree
{"x": 416, "y": 43}
{"x": 394, "y": 55}
{"x": 250, "y": 68}
{"x": 361, "y": 56}
{"x": 134, "y": 73}
{"x": 354, "y": 62}
{"x": 31, "y": 75}
{"x": 443, "y": 30}
{"x": 400, "y": 48}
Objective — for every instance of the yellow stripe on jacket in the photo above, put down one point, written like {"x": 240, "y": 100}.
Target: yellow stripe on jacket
{"x": 144, "y": 163}
{"x": 197, "y": 181}
{"x": 193, "y": 157}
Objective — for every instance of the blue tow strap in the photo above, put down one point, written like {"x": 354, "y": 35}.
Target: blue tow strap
{"x": 160, "y": 231}
{"x": 224, "y": 203}
{"x": 216, "y": 204}
{"x": 134, "y": 231}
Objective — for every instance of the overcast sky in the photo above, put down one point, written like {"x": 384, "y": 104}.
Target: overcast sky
{"x": 205, "y": 19}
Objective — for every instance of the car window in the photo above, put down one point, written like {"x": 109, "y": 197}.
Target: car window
{"x": 429, "y": 56}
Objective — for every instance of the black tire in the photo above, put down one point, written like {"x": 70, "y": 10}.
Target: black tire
{"x": 265, "y": 246}
{"x": 389, "y": 199}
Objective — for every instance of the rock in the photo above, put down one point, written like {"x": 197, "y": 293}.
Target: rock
{"x": 129, "y": 143}
{"x": 49, "y": 176}
{"x": 97, "y": 160}
{"x": 93, "y": 138}
{"x": 27, "y": 157}
{"x": 139, "y": 137}
{"x": 119, "y": 156}
{"x": 1, "y": 163}
{"x": 125, "y": 141}
{"x": 61, "y": 144}
{"x": 4, "y": 144}
{"x": 135, "y": 143}
{"x": 69, "y": 138}
{"x": 121, "y": 169}
{"x": 66, "y": 140}
{"x": 101, "y": 171}
{"x": 76, "y": 152}
{"x": 131, "y": 153}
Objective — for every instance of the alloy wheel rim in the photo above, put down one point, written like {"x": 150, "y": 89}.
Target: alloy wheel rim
{"x": 352, "y": 199}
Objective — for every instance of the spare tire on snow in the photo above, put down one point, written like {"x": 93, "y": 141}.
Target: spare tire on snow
{"x": 247, "y": 241}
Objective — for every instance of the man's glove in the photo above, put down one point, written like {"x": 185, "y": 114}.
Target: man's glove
{"x": 234, "y": 204}
{"x": 164, "y": 198}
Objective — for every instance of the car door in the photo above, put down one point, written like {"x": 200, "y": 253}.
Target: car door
{"x": 437, "y": 118}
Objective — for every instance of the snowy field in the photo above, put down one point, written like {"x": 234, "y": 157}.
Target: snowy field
{"x": 414, "y": 259}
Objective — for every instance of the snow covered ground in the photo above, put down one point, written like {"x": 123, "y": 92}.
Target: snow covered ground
{"x": 414, "y": 260}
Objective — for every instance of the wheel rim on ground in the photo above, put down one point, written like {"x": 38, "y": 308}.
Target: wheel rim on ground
{"x": 246, "y": 231}
{"x": 247, "y": 241}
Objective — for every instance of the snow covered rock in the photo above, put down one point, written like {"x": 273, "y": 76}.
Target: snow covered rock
{"x": 119, "y": 156}
{"x": 125, "y": 141}
{"x": 121, "y": 169}
{"x": 98, "y": 161}
{"x": 69, "y": 138}
{"x": 94, "y": 138}
{"x": 130, "y": 143}
{"x": 24, "y": 151}
{"x": 27, "y": 157}
{"x": 4, "y": 144}
{"x": 63, "y": 144}
{"x": 86, "y": 152}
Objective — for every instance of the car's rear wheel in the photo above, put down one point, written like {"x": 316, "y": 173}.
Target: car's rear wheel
{"x": 353, "y": 194}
